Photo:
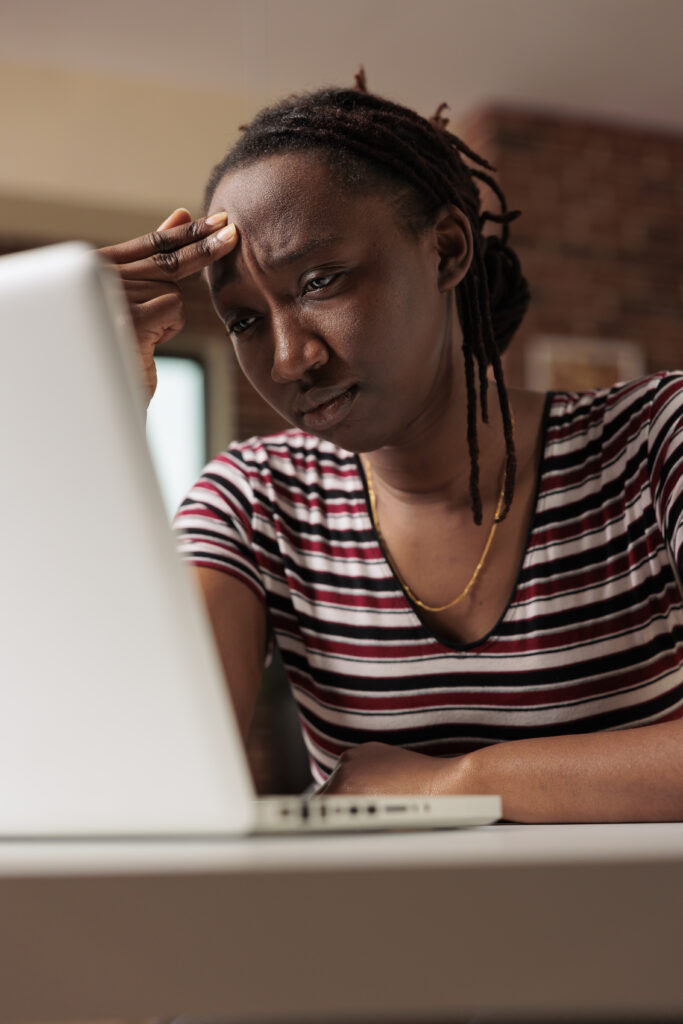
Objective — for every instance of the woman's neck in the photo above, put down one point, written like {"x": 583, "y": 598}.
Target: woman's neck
{"x": 432, "y": 464}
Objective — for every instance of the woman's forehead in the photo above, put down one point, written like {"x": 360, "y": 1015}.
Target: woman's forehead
{"x": 285, "y": 195}
{"x": 277, "y": 182}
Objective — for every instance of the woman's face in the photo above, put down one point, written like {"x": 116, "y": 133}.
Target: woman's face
{"x": 336, "y": 311}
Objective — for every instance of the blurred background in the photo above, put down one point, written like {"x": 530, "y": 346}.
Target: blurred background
{"x": 112, "y": 115}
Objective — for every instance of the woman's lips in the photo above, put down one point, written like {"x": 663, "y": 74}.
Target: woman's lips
{"x": 332, "y": 412}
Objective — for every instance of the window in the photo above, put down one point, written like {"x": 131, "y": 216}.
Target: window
{"x": 192, "y": 415}
{"x": 176, "y": 426}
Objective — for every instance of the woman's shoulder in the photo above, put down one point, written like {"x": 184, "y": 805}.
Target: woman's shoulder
{"x": 577, "y": 414}
{"x": 289, "y": 455}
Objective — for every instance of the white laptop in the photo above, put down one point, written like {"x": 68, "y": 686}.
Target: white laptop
{"x": 115, "y": 720}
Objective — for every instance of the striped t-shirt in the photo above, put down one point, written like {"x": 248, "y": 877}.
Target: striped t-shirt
{"x": 592, "y": 636}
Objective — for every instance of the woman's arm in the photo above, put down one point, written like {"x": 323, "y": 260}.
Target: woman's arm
{"x": 628, "y": 775}
{"x": 238, "y": 619}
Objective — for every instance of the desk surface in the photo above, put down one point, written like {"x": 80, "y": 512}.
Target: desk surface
{"x": 552, "y": 920}
{"x": 491, "y": 845}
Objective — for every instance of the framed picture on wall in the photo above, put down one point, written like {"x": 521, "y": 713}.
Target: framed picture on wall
{"x": 567, "y": 363}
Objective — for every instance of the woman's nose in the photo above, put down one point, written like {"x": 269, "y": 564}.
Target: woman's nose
{"x": 296, "y": 351}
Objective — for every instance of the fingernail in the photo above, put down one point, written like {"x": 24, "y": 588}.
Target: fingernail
{"x": 217, "y": 218}
{"x": 164, "y": 223}
{"x": 226, "y": 234}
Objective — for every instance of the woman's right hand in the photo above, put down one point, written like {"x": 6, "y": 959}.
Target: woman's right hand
{"x": 150, "y": 268}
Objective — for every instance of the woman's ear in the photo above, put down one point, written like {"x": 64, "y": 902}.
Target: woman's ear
{"x": 454, "y": 245}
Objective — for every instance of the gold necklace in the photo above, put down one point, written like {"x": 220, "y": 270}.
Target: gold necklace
{"x": 473, "y": 579}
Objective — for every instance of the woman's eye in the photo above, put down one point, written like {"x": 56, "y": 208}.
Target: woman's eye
{"x": 318, "y": 283}
{"x": 240, "y": 326}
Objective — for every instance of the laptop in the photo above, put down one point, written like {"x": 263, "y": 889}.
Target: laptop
{"x": 115, "y": 718}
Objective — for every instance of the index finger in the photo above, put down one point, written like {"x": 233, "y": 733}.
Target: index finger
{"x": 175, "y": 264}
{"x": 163, "y": 241}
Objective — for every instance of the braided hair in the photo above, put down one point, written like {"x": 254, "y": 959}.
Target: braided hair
{"x": 373, "y": 141}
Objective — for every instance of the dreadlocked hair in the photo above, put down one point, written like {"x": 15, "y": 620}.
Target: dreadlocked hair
{"x": 370, "y": 140}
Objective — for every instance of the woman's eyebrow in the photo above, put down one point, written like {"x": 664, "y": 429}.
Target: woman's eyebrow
{"x": 226, "y": 271}
{"x": 292, "y": 255}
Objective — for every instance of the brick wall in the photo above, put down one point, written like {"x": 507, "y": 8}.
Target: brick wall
{"x": 601, "y": 233}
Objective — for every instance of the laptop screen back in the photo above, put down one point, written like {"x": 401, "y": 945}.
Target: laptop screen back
{"x": 114, "y": 717}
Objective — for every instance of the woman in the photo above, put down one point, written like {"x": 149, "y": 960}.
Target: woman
{"x": 469, "y": 596}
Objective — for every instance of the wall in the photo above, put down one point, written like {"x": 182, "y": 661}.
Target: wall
{"x": 601, "y": 235}
{"x": 110, "y": 145}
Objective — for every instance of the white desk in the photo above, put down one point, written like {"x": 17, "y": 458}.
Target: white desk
{"x": 529, "y": 921}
